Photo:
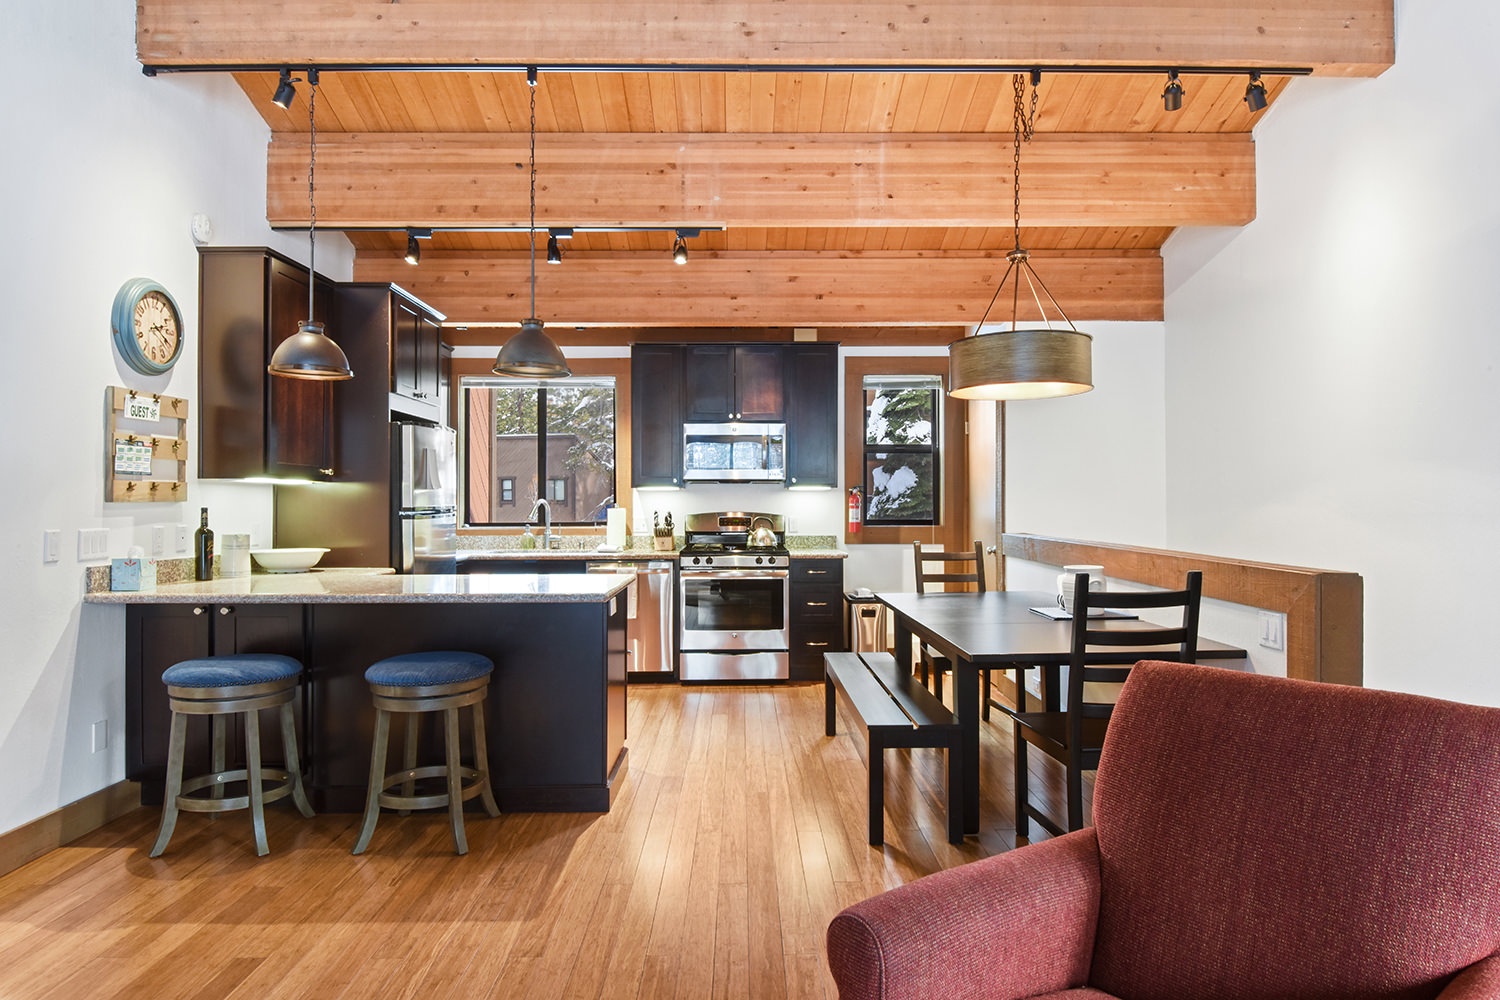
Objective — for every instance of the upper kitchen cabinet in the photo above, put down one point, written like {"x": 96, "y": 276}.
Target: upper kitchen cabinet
{"x": 411, "y": 330}
{"x": 250, "y": 299}
{"x": 812, "y": 415}
{"x": 656, "y": 418}
{"x": 732, "y": 382}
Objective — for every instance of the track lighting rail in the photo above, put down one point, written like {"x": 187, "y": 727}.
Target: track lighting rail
{"x": 1044, "y": 68}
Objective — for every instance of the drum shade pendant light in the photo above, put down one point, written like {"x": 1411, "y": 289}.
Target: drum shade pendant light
{"x": 309, "y": 353}
{"x": 531, "y": 353}
{"x": 1032, "y": 363}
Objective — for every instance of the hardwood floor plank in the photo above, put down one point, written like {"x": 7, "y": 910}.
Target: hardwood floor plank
{"x": 736, "y": 835}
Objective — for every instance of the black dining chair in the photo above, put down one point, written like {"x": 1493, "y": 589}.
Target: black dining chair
{"x": 965, "y": 569}
{"x": 1075, "y": 734}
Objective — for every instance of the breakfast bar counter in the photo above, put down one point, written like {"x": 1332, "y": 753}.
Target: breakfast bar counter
{"x": 554, "y": 716}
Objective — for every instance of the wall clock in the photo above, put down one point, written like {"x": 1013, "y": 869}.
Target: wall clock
{"x": 147, "y": 326}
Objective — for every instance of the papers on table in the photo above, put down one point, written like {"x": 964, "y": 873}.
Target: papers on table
{"x": 1057, "y": 614}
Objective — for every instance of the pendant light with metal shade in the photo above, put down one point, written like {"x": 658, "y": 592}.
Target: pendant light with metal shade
{"x": 309, "y": 353}
{"x": 531, "y": 353}
{"x": 1033, "y": 363}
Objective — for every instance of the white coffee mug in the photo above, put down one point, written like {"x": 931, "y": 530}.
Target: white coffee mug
{"x": 1097, "y": 583}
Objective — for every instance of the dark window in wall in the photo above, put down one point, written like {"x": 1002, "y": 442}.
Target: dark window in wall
{"x": 532, "y": 438}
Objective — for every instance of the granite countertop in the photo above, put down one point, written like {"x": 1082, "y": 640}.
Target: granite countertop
{"x": 593, "y": 555}
{"x": 365, "y": 587}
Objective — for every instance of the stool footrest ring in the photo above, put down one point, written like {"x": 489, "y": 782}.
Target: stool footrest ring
{"x": 477, "y": 782}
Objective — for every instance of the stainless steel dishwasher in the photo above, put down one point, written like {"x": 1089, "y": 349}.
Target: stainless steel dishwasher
{"x": 648, "y": 613}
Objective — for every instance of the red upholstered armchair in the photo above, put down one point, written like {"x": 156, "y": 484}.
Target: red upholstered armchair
{"x": 1255, "y": 838}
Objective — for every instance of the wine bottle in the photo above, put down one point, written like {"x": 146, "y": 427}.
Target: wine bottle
{"x": 203, "y": 550}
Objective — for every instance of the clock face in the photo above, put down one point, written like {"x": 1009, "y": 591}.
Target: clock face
{"x": 157, "y": 331}
{"x": 147, "y": 327}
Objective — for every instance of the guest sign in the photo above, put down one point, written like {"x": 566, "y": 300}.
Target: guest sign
{"x": 142, "y": 407}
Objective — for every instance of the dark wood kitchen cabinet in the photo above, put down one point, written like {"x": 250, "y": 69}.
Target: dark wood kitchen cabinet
{"x": 398, "y": 339}
{"x": 159, "y": 635}
{"x": 416, "y": 357}
{"x": 815, "y": 615}
{"x": 732, "y": 382}
{"x": 250, "y": 423}
{"x": 656, "y": 414}
{"x": 812, "y": 414}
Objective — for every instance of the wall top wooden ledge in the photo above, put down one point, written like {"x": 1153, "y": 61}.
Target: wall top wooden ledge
{"x": 1324, "y": 608}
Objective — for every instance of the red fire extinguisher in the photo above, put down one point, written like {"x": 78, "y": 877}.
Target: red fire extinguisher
{"x": 856, "y": 506}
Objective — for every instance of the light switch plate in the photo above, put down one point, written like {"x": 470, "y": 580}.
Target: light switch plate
{"x": 158, "y": 539}
{"x": 51, "y": 545}
{"x": 1273, "y": 630}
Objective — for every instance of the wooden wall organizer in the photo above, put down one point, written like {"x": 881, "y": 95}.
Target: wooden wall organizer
{"x": 119, "y": 488}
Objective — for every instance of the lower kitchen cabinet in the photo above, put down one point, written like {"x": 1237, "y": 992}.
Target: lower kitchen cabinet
{"x": 554, "y": 718}
{"x": 157, "y": 636}
{"x": 816, "y": 615}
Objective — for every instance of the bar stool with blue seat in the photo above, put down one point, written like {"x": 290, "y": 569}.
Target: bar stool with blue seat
{"x": 411, "y": 684}
{"x": 220, "y": 686}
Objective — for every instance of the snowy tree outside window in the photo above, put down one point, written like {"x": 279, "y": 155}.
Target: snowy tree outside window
{"x": 900, "y": 449}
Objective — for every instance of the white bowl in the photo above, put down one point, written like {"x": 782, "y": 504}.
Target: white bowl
{"x": 287, "y": 560}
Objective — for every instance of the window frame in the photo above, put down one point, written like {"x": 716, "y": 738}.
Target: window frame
{"x": 476, "y": 368}
{"x": 953, "y": 491}
{"x": 934, "y": 449}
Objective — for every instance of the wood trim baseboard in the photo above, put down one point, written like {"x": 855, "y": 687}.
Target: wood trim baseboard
{"x": 1324, "y": 608}
{"x": 26, "y": 843}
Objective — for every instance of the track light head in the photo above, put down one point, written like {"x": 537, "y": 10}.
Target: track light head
{"x": 1171, "y": 97}
{"x": 554, "y": 252}
{"x": 413, "y": 252}
{"x": 1255, "y": 94}
{"x": 286, "y": 90}
{"x": 679, "y": 249}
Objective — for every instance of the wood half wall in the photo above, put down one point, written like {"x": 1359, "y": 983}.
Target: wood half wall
{"x": 1324, "y": 608}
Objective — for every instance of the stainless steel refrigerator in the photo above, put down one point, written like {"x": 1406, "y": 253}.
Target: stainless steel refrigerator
{"x": 424, "y": 489}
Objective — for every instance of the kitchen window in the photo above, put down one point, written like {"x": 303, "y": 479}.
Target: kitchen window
{"x": 526, "y": 438}
{"x": 888, "y": 458}
{"x": 902, "y": 482}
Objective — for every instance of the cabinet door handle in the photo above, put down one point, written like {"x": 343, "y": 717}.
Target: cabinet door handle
{"x": 817, "y": 604}
{"x": 225, "y": 611}
{"x": 817, "y": 644}
{"x": 326, "y": 472}
{"x": 817, "y": 572}
{"x": 197, "y": 611}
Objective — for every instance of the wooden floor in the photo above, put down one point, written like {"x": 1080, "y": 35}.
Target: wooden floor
{"x": 738, "y": 833}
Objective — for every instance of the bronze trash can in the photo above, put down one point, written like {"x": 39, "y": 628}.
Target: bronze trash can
{"x": 864, "y": 623}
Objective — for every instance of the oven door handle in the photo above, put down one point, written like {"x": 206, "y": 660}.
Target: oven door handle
{"x": 735, "y": 574}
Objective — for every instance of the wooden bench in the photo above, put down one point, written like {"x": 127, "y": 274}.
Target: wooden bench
{"x": 895, "y": 711}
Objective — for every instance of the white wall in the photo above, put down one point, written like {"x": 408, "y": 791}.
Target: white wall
{"x": 1094, "y": 466}
{"x": 102, "y": 170}
{"x": 1332, "y": 368}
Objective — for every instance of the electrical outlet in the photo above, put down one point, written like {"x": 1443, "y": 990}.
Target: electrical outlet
{"x": 182, "y": 538}
{"x": 1273, "y": 630}
{"x": 158, "y": 539}
{"x": 51, "y": 544}
{"x": 99, "y": 733}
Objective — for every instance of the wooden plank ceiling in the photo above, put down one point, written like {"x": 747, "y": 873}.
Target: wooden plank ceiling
{"x": 843, "y": 198}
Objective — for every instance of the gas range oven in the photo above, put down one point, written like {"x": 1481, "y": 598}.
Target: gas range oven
{"x": 733, "y": 597}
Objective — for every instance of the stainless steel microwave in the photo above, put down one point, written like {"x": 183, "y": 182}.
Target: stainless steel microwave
{"x": 734, "y": 453}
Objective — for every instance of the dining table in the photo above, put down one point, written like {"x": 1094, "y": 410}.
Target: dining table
{"x": 998, "y": 630}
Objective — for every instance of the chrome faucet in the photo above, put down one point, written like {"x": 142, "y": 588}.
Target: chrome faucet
{"x": 546, "y": 509}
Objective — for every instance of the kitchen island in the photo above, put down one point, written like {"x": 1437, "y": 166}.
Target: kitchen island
{"x": 554, "y": 717}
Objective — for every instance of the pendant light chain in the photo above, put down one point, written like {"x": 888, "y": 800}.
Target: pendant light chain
{"x": 1024, "y": 126}
{"x": 531, "y": 233}
{"x": 312, "y": 205}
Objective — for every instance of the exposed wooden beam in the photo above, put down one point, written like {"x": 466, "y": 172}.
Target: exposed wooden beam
{"x": 491, "y": 337}
{"x": 767, "y": 289}
{"x": 632, "y": 179}
{"x": 1342, "y": 37}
